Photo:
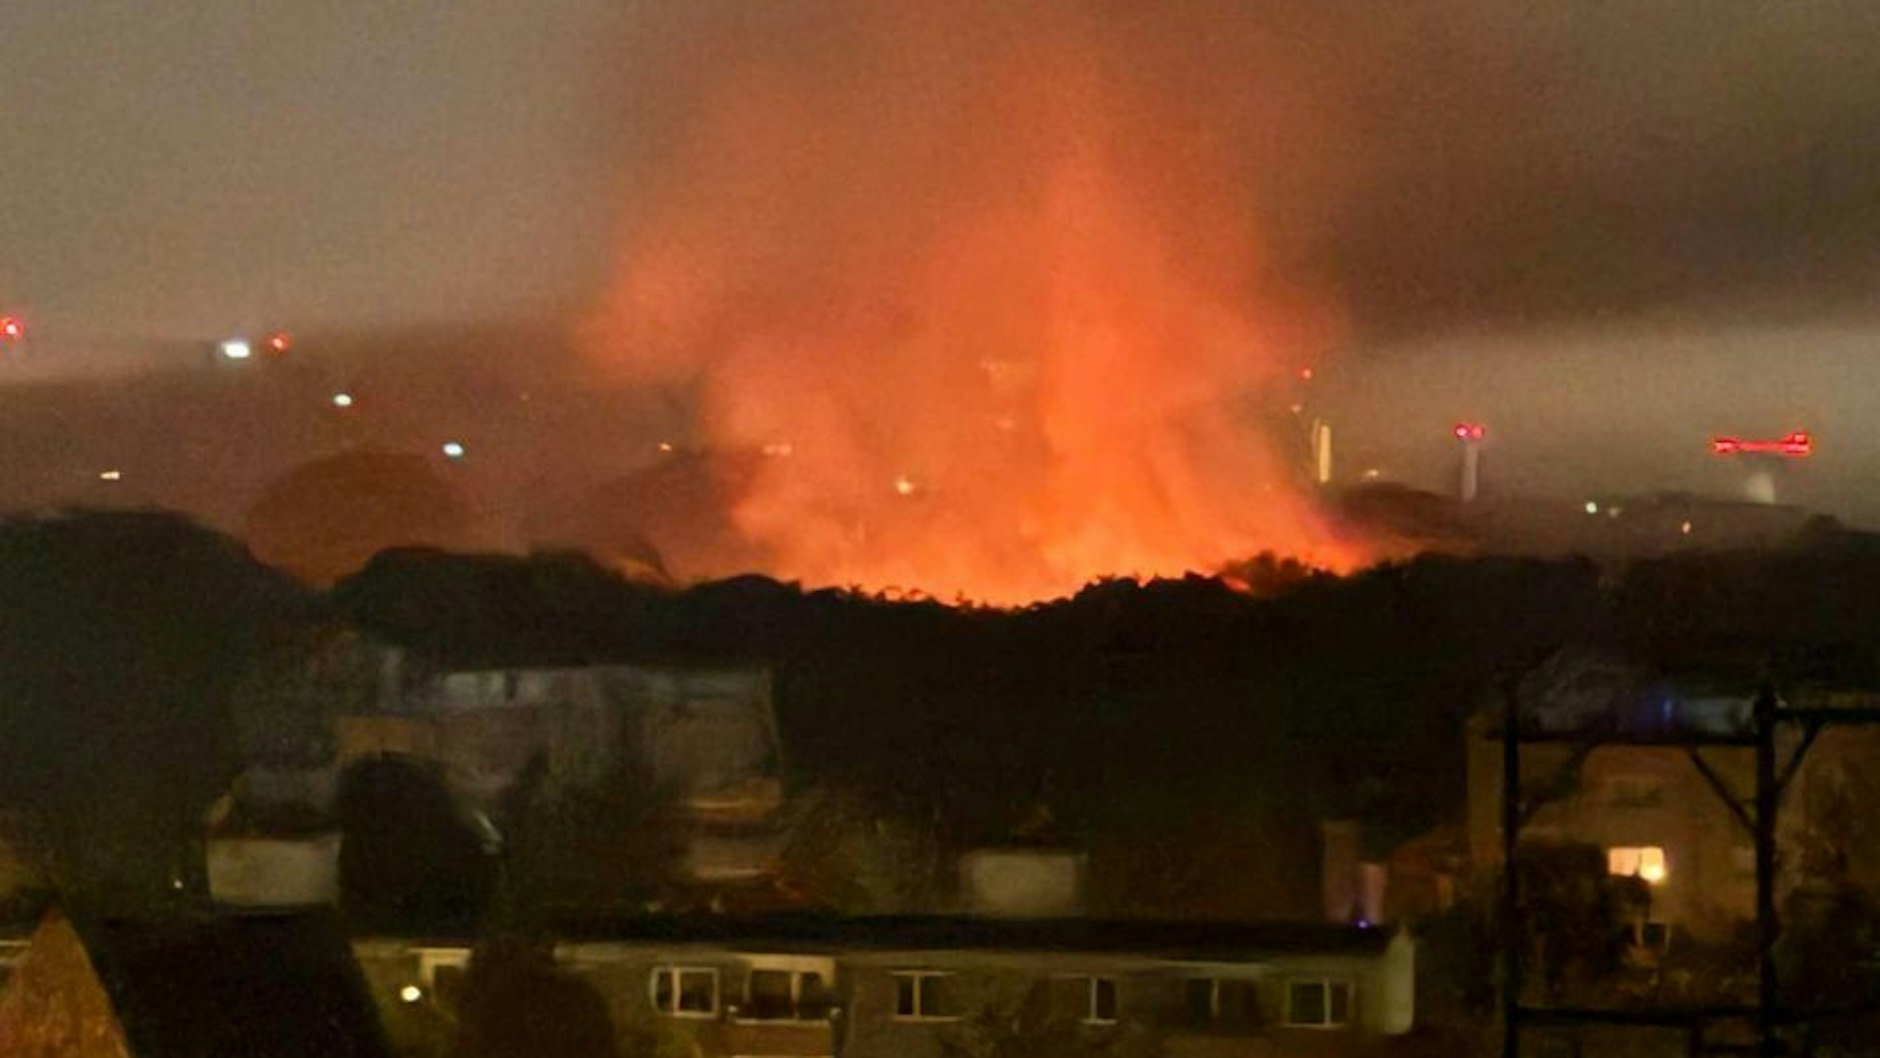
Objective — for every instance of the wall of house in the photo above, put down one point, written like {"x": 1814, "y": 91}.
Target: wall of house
{"x": 252, "y": 873}
{"x": 1632, "y": 796}
{"x": 1152, "y": 1000}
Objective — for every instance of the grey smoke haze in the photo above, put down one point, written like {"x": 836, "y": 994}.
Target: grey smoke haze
{"x": 176, "y": 167}
{"x": 1600, "y": 226}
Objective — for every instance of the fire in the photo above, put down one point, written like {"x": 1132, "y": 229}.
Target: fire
{"x": 1002, "y": 304}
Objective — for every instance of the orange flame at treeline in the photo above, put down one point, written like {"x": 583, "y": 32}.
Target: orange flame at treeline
{"x": 983, "y": 284}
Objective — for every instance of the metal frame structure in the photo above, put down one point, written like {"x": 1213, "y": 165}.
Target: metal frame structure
{"x": 1768, "y": 716}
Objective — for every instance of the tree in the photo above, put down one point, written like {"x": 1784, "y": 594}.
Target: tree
{"x": 516, "y": 1001}
{"x": 1043, "y": 1021}
{"x": 325, "y": 519}
{"x": 409, "y": 859}
{"x": 1573, "y": 915}
{"x": 122, "y": 636}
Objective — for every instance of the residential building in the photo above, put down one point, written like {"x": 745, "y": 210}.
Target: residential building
{"x": 909, "y": 987}
{"x": 1661, "y": 777}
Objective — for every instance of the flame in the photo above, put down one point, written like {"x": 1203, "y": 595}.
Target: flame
{"x": 1003, "y": 309}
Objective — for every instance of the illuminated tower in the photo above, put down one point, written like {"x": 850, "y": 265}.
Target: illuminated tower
{"x": 1470, "y": 434}
{"x": 1321, "y": 452}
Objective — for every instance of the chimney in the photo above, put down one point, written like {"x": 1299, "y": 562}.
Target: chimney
{"x": 1338, "y": 871}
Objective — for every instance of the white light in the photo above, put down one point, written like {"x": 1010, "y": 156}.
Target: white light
{"x": 109, "y": 475}
{"x": 453, "y": 450}
{"x": 237, "y": 349}
{"x": 1591, "y": 507}
{"x": 342, "y": 400}
{"x": 665, "y": 446}
{"x": 1685, "y": 528}
{"x": 411, "y": 993}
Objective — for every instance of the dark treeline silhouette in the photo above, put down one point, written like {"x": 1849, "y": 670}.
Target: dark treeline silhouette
{"x": 1209, "y": 727}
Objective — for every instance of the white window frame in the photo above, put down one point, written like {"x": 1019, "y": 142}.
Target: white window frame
{"x": 431, "y": 960}
{"x": 797, "y": 973}
{"x": 920, "y": 1016}
{"x": 678, "y": 990}
{"x": 1326, "y": 984}
{"x": 1088, "y": 1015}
{"x": 1214, "y": 982}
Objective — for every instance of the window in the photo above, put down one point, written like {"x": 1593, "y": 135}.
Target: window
{"x": 1633, "y": 790}
{"x": 786, "y": 995}
{"x": 1093, "y": 999}
{"x": 1320, "y": 1004}
{"x": 1216, "y": 1002}
{"x": 685, "y": 991}
{"x": 927, "y": 995}
{"x": 1640, "y": 861}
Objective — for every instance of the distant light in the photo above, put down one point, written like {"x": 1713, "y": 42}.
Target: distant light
{"x": 453, "y": 450}
{"x": 1685, "y": 528}
{"x": 237, "y": 349}
{"x": 904, "y": 485}
{"x": 1372, "y": 474}
{"x": 1470, "y": 431}
{"x": 1795, "y": 443}
{"x": 280, "y": 341}
{"x": 779, "y": 448}
{"x": 342, "y": 400}
{"x": 411, "y": 993}
{"x": 665, "y": 446}
{"x": 1305, "y": 374}
{"x": 110, "y": 475}
{"x": 1295, "y": 408}
{"x": 1592, "y": 507}
{"x": 11, "y": 329}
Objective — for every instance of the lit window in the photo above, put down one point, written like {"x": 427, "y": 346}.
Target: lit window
{"x": 927, "y": 995}
{"x": 1637, "y": 861}
{"x": 685, "y": 991}
{"x": 1319, "y": 1004}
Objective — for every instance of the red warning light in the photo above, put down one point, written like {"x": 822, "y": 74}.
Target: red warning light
{"x": 1797, "y": 443}
{"x": 1470, "y": 431}
{"x": 11, "y": 329}
{"x": 1305, "y": 374}
{"x": 280, "y": 341}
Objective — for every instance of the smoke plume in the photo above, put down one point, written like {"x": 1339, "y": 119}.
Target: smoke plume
{"x": 1001, "y": 292}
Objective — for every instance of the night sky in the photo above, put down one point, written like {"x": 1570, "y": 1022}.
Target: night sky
{"x": 1606, "y": 230}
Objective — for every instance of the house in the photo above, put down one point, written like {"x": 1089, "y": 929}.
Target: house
{"x": 1655, "y": 772}
{"x": 910, "y": 987}
{"x": 262, "y": 987}
{"x": 704, "y": 736}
